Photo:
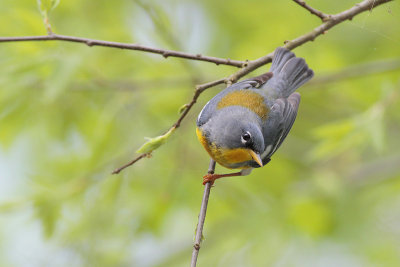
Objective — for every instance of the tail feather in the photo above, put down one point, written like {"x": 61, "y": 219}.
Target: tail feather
{"x": 305, "y": 77}
{"x": 281, "y": 56}
{"x": 293, "y": 68}
{"x": 289, "y": 73}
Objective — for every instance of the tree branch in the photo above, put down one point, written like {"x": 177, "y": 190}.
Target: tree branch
{"x": 91, "y": 42}
{"x": 247, "y": 66}
{"x": 322, "y": 16}
{"x": 250, "y": 66}
{"x": 310, "y": 36}
{"x": 334, "y": 20}
{"x": 202, "y": 217}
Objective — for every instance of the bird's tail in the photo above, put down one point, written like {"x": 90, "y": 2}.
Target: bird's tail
{"x": 289, "y": 73}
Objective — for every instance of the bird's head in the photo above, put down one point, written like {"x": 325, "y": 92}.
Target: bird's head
{"x": 239, "y": 141}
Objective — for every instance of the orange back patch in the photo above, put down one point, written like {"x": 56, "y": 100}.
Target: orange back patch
{"x": 248, "y": 99}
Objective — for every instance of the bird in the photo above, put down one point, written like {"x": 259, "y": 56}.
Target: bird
{"x": 242, "y": 126}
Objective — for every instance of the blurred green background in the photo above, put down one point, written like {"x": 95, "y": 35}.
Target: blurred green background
{"x": 70, "y": 114}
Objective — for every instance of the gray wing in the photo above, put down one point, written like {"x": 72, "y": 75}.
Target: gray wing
{"x": 280, "y": 120}
{"x": 209, "y": 109}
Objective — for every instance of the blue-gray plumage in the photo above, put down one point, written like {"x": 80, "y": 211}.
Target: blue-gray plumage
{"x": 243, "y": 125}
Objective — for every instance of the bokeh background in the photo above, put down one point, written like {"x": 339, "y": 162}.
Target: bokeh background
{"x": 70, "y": 114}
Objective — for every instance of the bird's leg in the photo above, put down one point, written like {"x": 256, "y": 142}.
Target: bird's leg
{"x": 212, "y": 177}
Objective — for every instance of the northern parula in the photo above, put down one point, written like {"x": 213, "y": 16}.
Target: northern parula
{"x": 243, "y": 125}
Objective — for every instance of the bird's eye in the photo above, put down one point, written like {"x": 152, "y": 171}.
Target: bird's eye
{"x": 246, "y": 137}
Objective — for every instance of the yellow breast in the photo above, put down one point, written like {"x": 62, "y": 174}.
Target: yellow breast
{"x": 224, "y": 156}
{"x": 248, "y": 99}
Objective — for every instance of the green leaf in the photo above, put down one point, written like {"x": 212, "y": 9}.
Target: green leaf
{"x": 154, "y": 143}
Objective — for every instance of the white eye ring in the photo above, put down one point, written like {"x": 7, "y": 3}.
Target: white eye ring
{"x": 245, "y": 138}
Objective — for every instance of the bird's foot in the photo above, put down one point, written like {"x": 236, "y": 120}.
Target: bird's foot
{"x": 210, "y": 178}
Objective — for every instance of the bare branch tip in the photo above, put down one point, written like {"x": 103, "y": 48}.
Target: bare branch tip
{"x": 116, "y": 171}
{"x": 145, "y": 155}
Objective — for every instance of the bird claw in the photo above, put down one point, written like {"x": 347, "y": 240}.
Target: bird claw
{"x": 209, "y": 178}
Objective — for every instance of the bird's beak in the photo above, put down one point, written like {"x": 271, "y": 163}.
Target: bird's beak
{"x": 256, "y": 157}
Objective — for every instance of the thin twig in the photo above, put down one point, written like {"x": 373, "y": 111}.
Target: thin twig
{"x": 118, "y": 170}
{"x": 91, "y": 42}
{"x": 202, "y": 217}
{"x": 310, "y": 36}
{"x": 188, "y": 107}
{"x": 321, "y": 15}
{"x": 250, "y": 66}
{"x": 199, "y": 89}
